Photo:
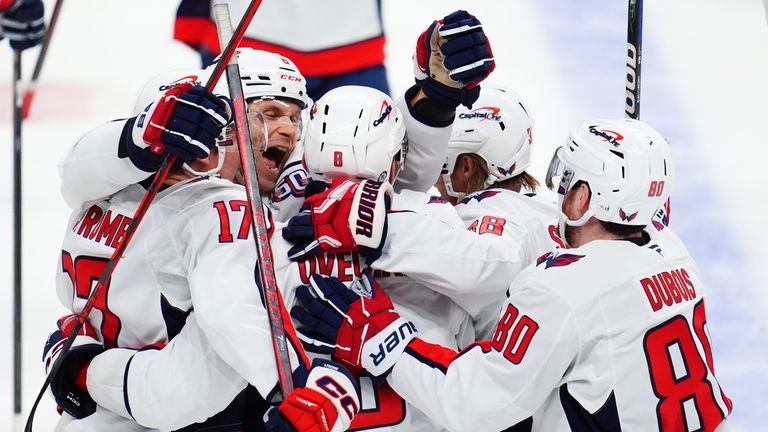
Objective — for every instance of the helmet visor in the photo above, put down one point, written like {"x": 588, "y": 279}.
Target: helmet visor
{"x": 559, "y": 176}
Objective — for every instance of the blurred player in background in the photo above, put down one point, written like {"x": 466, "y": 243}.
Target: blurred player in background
{"x": 334, "y": 43}
{"x": 607, "y": 335}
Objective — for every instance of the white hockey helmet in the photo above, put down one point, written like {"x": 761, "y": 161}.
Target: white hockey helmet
{"x": 627, "y": 165}
{"x": 355, "y": 132}
{"x": 266, "y": 75}
{"x": 156, "y": 86}
{"x": 499, "y": 130}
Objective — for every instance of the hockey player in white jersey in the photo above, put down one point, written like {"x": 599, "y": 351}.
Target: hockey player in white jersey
{"x": 415, "y": 134}
{"x": 485, "y": 176}
{"x": 151, "y": 296}
{"x": 607, "y": 335}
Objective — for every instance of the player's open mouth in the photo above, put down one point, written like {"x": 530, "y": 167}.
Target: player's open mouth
{"x": 274, "y": 157}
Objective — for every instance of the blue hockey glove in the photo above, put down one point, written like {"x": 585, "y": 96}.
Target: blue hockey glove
{"x": 359, "y": 327}
{"x": 186, "y": 121}
{"x": 452, "y": 57}
{"x": 23, "y": 23}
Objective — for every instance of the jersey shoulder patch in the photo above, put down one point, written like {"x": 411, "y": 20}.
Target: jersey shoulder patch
{"x": 556, "y": 259}
{"x": 479, "y": 196}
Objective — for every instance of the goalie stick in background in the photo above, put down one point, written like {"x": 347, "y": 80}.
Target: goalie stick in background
{"x": 608, "y": 335}
{"x": 334, "y": 43}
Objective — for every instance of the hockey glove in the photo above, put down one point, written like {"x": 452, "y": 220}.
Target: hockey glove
{"x": 452, "y": 57}
{"x": 325, "y": 400}
{"x": 186, "y": 122}
{"x": 22, "y": 23}
{"x": 358, "y": 326}
{"x": 68, "y": 385}
{"x": 347, "y": 217}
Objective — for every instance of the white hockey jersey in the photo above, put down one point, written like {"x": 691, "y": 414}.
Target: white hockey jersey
{"x": 607, "y": 336}
{"x": 145, "y": 376}
{"x": 525, "y": 223}
{"x": 192, "y": 251}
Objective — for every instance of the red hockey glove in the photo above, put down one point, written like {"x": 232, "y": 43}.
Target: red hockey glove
{"x": 452, "y": 57}
{"x": 69, "y": 384}
{"x": 327, "y": 401}
{"x": 359, "y": 326}
{"x": 186, "y": 121}
{"x": 347, "y": 217}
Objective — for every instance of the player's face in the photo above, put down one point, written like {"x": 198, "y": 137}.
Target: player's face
{"x": 283, "y": 125}
{"x": 275, "y": 127}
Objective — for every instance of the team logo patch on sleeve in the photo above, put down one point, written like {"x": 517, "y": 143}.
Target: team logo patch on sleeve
{"x": 552, "y": 259}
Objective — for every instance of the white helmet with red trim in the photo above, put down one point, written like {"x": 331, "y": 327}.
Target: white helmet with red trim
{"x": 355, "y": 132}
{"x": 499, "y": 129}
{"x": 627, "y": 165}
{"x": 266, "y": 75}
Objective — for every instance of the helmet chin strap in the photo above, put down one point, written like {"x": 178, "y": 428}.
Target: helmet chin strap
{"x": 449, "y": 187}
{"x": 564, "y": 221}
{"x": 213, "y": 172}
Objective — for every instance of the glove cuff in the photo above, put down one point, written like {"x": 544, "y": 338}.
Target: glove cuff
{"x": 428, "y": 112}
{"x": 381, "y": 352}
{"x": 138, "y": 151}
{"x": 447, "y": 96}
{"x": 367, "y": 223}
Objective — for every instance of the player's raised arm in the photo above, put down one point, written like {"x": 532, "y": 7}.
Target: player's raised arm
{"x": 452, "y": 56}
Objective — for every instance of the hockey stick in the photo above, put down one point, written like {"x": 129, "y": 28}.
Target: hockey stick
{"x": 17, "y": 92}
{"x": 634, "y": 58}
{"x": 141, "y": 210}
{"x": 266, "y": 268}
{"x": 29, "y": 93}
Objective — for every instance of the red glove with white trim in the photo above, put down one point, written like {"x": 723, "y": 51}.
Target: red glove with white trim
{"x": 347, "y": 217}
{"x": 359, "y": 326}
{"x": 327, "y": 401}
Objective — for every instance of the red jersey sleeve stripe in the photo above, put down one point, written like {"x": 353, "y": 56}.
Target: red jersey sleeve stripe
{"x": 199, "y": 32}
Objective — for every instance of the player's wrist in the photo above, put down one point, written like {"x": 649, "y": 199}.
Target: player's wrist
{"x": 141, "y": 157}
{"x": 429, "y": 111}
{"x": 382, "y": 351}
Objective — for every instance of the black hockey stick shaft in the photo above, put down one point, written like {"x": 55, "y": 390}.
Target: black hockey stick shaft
{"x": 141, "y": 210}
{"x": 17, "y": 100}
{"x": 634, "y": 58}
{"x": 29, "y": 93}
{"x": 259, "y": 226}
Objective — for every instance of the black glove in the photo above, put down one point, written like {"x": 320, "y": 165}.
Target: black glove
{"x": 68, "y": 384}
